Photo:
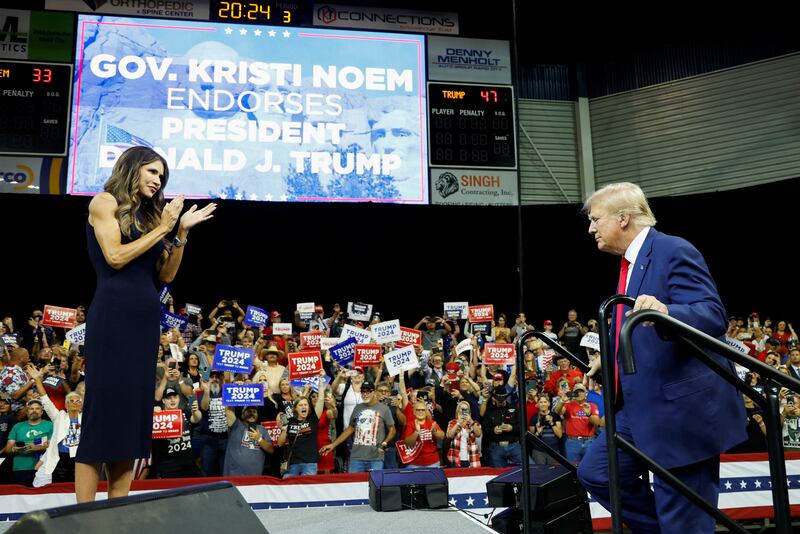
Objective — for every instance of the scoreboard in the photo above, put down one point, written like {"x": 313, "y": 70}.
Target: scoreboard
{"x": 471, "y": 125}
{"x": 36, "y": 101}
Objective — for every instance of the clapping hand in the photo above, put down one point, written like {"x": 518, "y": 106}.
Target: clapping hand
{"x": 195, "y": 216}
{"x": 171, "y": 212}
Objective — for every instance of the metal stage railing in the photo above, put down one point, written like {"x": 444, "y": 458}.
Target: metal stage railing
{"x": 699, "y": 343}
{"x": 527, "y": 437}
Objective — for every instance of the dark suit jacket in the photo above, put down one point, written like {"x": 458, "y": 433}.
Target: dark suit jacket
{"x": 681, "y": 412}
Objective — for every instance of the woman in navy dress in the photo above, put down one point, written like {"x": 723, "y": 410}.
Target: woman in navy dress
{"x": 126, "y": 232}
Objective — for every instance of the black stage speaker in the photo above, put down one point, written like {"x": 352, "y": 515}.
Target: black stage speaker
{"x": 552, "y": 488}
{"x": 217, "y": 507}
{"x": 577, "y": 520}
{"x": 397, "y": 489}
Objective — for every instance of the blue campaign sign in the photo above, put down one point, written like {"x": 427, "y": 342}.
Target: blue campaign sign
{"x": 344, "y": 352}
{"x": 256, "y": 317}
{"x": 163, "y": 296}
{"x": 312, "y": 380}
{"x": 170, "y": 320}
{"x": 242, "y": 395}
{"x": 233, "y": 359}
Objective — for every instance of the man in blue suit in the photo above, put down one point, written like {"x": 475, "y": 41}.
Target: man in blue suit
{"x": 675, "y": 409}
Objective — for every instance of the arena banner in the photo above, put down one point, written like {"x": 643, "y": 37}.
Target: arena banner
{"x": 256, "y": 113}
{"x": 458, "y": 59}
{"x": 33, "y": 176}
{"x": 176, "y": 9}
{"x": 474, "y": 187}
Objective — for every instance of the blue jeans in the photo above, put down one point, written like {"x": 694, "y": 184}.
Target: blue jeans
{"x": 575, "y": 449}
{"x": 361, "y": 466}
{"x": 390, "y": 458}
{"x": 295, "y": 470}
{"x": 211, "y": 451}
{"x": 499, "y": 456}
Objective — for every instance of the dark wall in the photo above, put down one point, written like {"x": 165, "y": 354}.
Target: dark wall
{"x": 407, "y": 260}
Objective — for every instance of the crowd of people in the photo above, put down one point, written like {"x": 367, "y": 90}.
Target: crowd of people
{"x": 452, "y": 410}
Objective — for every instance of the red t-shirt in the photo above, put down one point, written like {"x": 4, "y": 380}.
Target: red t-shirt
{"x": 429, "y": 453}
{"x": 576, "y": 420}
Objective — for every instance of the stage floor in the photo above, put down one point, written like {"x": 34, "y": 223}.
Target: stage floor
{"x": 349, "y": 519}
{"x": 361, "y": 518}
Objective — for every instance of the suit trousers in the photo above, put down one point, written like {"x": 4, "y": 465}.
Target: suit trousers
{"x": 645, "y": 509}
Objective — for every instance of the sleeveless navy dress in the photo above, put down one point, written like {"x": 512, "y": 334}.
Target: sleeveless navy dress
{"x": 122, "y": 337}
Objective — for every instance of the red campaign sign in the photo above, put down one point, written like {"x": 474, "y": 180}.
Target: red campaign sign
{"x": 58, "y": 317}
{"x": 452, "y": 369}
{"x": 408, "y": 336}
{"x": 167, "y": 424}
{"x": 481, "y": 314}
{"x": 273, "y": 430}
{"x": 499, "y": 354}
{"x": 368, "y": 355}
{"x": 310, "y": 340}
{"x": 303, "y": 364}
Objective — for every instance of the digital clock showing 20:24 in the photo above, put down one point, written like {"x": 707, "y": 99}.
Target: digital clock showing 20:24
{"x": 268, "y": 12}
{"x": 471, "y": 125}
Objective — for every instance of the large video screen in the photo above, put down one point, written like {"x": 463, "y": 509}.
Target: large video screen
{"x": 252, "y": 112}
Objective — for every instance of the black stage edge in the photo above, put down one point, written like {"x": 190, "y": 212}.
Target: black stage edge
{"x": 215, "y": 507}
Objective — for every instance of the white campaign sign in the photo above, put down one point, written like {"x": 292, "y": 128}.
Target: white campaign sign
{"x": 464, "y": 346}
{"x": 360, "y": 335}
{"x": 359, "y": 311}
{"x": 326, "y": 343}
{"x": 306, "y": 310}
{"x": 281, "y": 329}
{"x": 591, "y": 340}
{"x": 77, "y": 335}
{"x": 176, "y": 352}
{"x": 401, "y": 360}
{"x": 450, "y": 309}
{"x": 387, "y": 331}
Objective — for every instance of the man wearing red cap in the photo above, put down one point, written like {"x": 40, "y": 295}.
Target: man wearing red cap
{"x": 564, "y": 371}
{"x": 548, "y": 330}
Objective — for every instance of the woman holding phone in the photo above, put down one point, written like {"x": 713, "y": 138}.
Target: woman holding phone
{"x": 126, "y": 235}
{"x": 463, "y": 431}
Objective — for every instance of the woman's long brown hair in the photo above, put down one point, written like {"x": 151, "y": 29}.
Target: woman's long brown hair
{"x": 133, "y": 210}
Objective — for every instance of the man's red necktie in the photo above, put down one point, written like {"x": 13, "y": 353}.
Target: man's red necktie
{"x": 621, "y": 287}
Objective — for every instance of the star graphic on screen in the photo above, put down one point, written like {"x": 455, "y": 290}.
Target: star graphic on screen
{"x": 223, "y": 196}
{"x": 453, "y": 501}
{"x": 242, "y": 32}
{"x": 271, "y": 33}
{"x": 253, "y": 196}
{"x": 239, "y": 196}
{"x": 257, "y": 33}
{"x": 743, "y": 484}
{"x": 268, "y": 197}
{"x": 757, "y": 483}
{"x": 286, "y": 33}
{"x": 228, "y": 31}
{"x": 728, "y": 485}
{"x": 470, "y": 501}
{"x": 284, "y": 197}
